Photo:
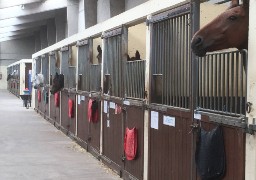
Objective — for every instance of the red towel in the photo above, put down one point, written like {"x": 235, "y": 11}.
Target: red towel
{"x": 130, "y": 143}
{"x": 70, "y": 108}
{"x": 39, "y": 96}
{"x": 57, "y": 99}
{"x": 92, "y": 111}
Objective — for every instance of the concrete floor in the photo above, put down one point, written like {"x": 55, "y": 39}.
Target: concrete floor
{"x": 33, "y": 149}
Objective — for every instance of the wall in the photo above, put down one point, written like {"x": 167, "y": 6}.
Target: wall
{"x": 17, "y": 49}
{"x": 132, "y": 3}
{"x": 12, "y": 51}
{"x": 3, "y": 70}
{"x": 137, "y": 40}
{"x": 103, "y": 10}
{"x": 96, "y": 42}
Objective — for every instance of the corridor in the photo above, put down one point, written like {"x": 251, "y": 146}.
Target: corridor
{"x": 33, "y": 149}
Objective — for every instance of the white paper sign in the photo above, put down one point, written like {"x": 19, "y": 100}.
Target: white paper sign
{"x": 197, "y": 116}
{"x": 154, "y": 119}
{"x": 78, "y": 99}
{"x": 82, "y": 98}
{"x": 105, "y": 106}
{"x": 108, "y": 123}
{"x": 170, "y": 121}
{"x": 127, "y": 103}
{"x": 112, "y": 105}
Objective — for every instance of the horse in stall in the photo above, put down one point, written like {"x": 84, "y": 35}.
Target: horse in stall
{"x": 9, "y": 77}
{"x": 38, "y": 81}
{"x": 57, "y": 83}
{"x": 228, "y": 30}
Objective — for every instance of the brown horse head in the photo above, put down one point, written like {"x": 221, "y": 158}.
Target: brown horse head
{"x": 228, "y": 30}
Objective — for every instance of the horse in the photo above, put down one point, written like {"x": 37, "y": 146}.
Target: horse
{"x": 9, "y": 77}
{"x": 38, "y": 81}
{"x": 136, "y": 57}
{"x": 57, "y": 83}
{"x": 228, "y": 30}
{"x": 99, "y": 56}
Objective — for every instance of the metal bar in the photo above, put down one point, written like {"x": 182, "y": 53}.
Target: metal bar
{"x": 176, "y": 62}
{"x": 223, "y": 81}
{"x": 216, "y": 83}
{"x": 169, "y": 64}
{"x": 232, "y": 82}
{"x": 227, "y": 84}
{"x": 171, "y": 13}
{"x": 219, "y": 80}
{"x": 172, "y": 71}
{"x": 208, "y": 82}
{"x": 236, "y": 80}
{"x": 241, "y": 82}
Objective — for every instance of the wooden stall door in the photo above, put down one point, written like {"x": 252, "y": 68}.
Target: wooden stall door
{"x": 68, "y": 124}
{"x": 134, "y": 117}
{"x": 112, "y": 137}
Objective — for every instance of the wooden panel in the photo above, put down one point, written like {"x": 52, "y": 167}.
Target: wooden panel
{"x": 82, "y": 122}
{"x": 94, "y": 132}
{"x": 170, "y": 150}
{"x": 53, "y": 108}
{"x": 112, "y": 137}
{"x": 135, "y": 118}
{"x": 67, "y": 123}
{"x": 234, "y": 139}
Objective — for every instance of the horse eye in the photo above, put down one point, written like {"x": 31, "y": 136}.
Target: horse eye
{"x": 232, "y": 18}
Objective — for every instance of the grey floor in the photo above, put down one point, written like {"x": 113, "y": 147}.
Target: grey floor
{"x": 31, "y": 148}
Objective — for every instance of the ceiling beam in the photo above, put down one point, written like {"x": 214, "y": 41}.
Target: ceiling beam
{"x": 16, "y": 37}
{"x": 26, "y": 19}
{"x": 10, "y": 3}
{"x": 30, "y": 9}
{"x": 22, "y": 26}
{"x": 15, "y": 33}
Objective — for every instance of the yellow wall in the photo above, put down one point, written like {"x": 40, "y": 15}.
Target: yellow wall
{"x": 96, "y": 42}
{"x": 137, "y": 40}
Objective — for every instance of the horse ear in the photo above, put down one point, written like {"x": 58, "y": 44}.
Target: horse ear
{"x": 246, "y": 3}
{"x": 234, "y": 3}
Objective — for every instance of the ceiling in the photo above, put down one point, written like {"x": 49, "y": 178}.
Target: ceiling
{"x": 21, "y": 18}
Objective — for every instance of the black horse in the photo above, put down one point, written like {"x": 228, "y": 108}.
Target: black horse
{"x": 57, "y": 83}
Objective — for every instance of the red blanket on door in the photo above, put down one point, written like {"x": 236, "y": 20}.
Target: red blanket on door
{"x": 39, "y": 96}
{"x": 57, "y": 99}
{"x": 92, "y": 111}
{"x": 130, "y": 143}
{"x": 70, "y": 108}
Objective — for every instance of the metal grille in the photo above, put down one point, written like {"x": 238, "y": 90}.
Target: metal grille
{"x": 38, "y": 65}
{"x": 65, "y": 67}
{"x": 171, "y": 61}
{"x": 45, "y": 69}
{"x": 135, "y": 79}
{"x": 95, "y": 77}
{"x": 113, "y": 64}
{"x": 222, "y": 82}
{"x": 71, "y": 77}
{"x": 83, "y": 67}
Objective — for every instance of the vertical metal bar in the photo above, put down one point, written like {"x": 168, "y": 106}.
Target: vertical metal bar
{"x": 223, "y": 81}
{"x": 208, "y": 82}
{"x": 215, "y": 82}
{"x": 200, "y": 74}
{"x": 232, "y": 83}
{"x": 172, "y": 57}
{"x": 211, "y": 82}
{"x": 236, "y": 80}
{"x": 176, "y": 62}
{"x": 227, "y": 84}
{"x": 219, "y": 81}
{"x": 182, "y": 59}
{"x": 241, "y": 80}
